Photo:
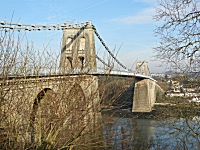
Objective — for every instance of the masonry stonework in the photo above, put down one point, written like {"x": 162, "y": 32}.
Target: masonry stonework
{"x": 78, "y": 48}
{"x": 23, "y": 106}
{"x": 144, "y": 95}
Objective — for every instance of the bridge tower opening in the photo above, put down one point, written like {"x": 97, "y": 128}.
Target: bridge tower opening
{"x": 78, "y": 48}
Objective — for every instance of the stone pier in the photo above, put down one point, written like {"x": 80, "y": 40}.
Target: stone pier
{"x": 144, "y": 95}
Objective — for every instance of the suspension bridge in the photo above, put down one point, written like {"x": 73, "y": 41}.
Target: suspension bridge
{"x": 78, "y": 57}
{"x": 139, "y": 71}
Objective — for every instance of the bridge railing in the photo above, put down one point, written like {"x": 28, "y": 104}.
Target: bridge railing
{"x": 58, "y": 71}
{"x": 45, "y": 72}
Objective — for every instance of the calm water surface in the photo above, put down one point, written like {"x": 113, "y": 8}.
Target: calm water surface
{"x": 130, "y": 133}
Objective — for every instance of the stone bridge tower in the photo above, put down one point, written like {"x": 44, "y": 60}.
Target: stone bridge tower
{"x": 78, "y": 48}
{"x": 142, "y": 68}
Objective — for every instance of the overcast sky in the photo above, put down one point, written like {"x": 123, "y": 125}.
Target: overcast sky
{"x": 119, "y": 22}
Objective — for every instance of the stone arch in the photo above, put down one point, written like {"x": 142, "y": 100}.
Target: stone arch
{"x": 81, "y": 52}
{"x": 81, "y": 62}
{"x": 69, "y": 53}
{"x": 69, "y": 62}
{"x": 44, "y": 110}
{"x": 82, "y": 44}
{"x": 69, "y": 42}
{"x": 88, "y": 53}
{"x": 76, "y": 104}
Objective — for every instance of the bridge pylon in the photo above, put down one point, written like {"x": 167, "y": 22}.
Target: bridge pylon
{"x": 78, "y": 48}
{"x": 142, "y": 68}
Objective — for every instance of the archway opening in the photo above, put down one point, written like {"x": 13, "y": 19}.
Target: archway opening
{"x": 43, "y": 115}
{"x": 70, "y": 62}
{"x": 76, "y": 103}
{"x": 82, "y": 60}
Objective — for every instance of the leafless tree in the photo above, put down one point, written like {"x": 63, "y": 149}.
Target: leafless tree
{"x": 179, "y": 49}
{"x": 179, "y": 34}
{"x": 52, "y": 120}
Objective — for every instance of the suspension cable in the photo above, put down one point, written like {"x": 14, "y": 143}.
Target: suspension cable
{"x": 19, "y": 26}
{"x": 109, "y": 50}
{"x": 103, "y": 62}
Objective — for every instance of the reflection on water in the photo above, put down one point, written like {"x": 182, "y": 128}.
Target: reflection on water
{"x": 130, "y": 133}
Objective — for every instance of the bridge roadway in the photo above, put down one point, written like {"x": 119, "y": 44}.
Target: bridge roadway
{"x": 96, "y": 72}
{"x": 120, "y": 73}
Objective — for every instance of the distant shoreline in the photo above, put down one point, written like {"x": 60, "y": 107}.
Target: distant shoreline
{"x": 160, "y": 111}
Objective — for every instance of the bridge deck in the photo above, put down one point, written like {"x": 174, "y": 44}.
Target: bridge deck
{"x": 95, "y": 72}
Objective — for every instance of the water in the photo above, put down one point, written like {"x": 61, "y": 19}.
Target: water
{"x": 130, "y": 133}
